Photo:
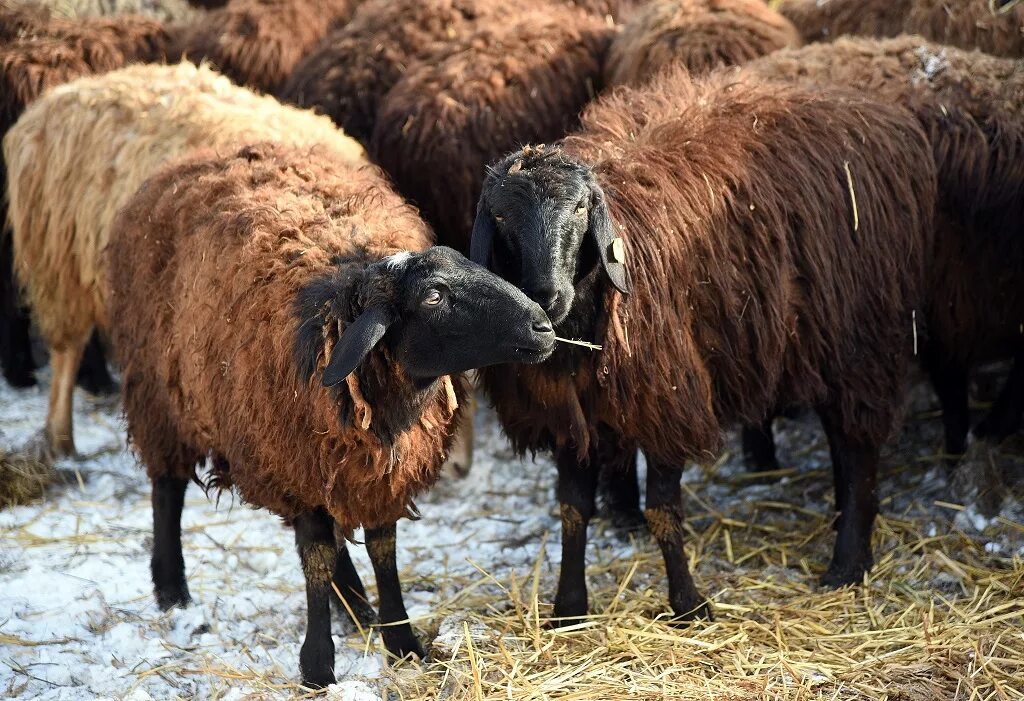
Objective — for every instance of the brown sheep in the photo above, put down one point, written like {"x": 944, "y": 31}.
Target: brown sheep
{"x": 52, "y": 51}
{"x": 311, "y": 351}
{"x": 734, "y": 246}
{"x": 502, "y": 86}
{"x": 258, "y": 43}
{"x": 698, "y": 34}
{"x": 971, "y": 105}
{"x": 993, "y": 26}
{"x": 349, "y": 72}
{"x": 80, "y": 151}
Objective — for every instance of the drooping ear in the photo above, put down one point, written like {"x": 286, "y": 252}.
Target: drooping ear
{"x": 483, "y": 236}
{"x": 356, "y": 341}
{"x": 610, "y": 248}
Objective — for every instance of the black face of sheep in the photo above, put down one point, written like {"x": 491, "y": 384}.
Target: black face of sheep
{"x": 543, "y": 224}
{"x": 440, "y": 314}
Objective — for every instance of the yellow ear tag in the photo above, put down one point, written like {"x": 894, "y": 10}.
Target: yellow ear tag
{"x": 618, "y": 250}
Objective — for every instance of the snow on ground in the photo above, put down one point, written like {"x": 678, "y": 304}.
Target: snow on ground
{"x": 77, "y": 615}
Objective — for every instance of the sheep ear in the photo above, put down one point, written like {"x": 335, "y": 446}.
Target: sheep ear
{"x": 483, "y": 236}
{"x": 355, "y": 343}
{"x": 611, "y": 248}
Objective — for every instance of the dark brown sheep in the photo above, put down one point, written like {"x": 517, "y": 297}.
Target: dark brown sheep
{"x": 971, "y": 106}
{"x": 349, "y": 72}
{"x": 53, "y": 51}
{"x": 258, "y": 43}
{"x": 698, "y": 34}
{"x": 993, "y": 26}
{"x": 500, "y": 87}
{"x": 735, "y": 246}
{"x": 312, "y": 351}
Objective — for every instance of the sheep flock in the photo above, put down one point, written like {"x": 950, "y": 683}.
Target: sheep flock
{"x": 552, "y": 349}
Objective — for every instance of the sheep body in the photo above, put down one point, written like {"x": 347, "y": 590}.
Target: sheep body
{"x": 775, "y": 239}
{"x": 162, "y": 10}
{"x": 79, "y": 152}
{"x": 247, "y": 232}
{"x": 971, "y": 105}
{"x": 698, "y": 34}
{"x": 258, "y": 43}
{"x": 502, "y": 86}
{"x": 969, "y": 24}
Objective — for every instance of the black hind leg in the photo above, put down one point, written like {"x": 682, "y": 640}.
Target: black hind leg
{"x": 168, "y": 563}
{"x": 619, "y": 484}
{"x": 348, "y": 586}
{"x": 15, "y": 325}
{"x": 949, "y": 379}
{"x": 93, "y": 375}
{"x": 1004, "y": 418}
{"x": 759, "y": 447}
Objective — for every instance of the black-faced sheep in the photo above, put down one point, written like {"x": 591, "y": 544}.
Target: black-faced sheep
{"x": 502, "y": 86}
{"x": 698, "y": 34}
{"x": 734, "y": 246}
{"x": 311, "y": 349}
{"x": 993, "y": 26}
{"x": 76, "y": 156}
{"x": 971, "y": 106}
{"x": 46, "y": 51}
{"x": 258, "y": 43}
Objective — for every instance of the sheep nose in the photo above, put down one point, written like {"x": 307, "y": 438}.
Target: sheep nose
{"x": 545, "y": 296}
{"x": 542, "y": 326}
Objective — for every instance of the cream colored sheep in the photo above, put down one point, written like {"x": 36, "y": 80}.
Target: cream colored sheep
{"x": 80, "y": 151}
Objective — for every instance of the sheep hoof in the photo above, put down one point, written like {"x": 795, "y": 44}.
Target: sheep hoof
{"x": 317, "y": 664}
{"x": 402, "y": 643}
{"x": 364, "y": 614}
{"x": 687, "y": 612}
{"x": 627, "y": 521}
{"x": 843, "y": 576}
{"x": 20, "y": 378}
{"x": 171, "y": 597}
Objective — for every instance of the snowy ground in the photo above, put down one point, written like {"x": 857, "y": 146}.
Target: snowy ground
{"x": 77, "y": 616}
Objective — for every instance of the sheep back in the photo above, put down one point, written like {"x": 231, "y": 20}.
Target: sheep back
{"x": 756, "y": 281}
{"x": 698, "y": 34}
{"x": 349, "y": 72}
{"x": 207, "y": 262}
{"x": 503, "y": 86}
{"x": 825, "y": 21}
{"x": 162, "y": 10}
{"x": 79, "y": 152}
{"x": 971, "y": 106}
{"x": 258, "y": 43}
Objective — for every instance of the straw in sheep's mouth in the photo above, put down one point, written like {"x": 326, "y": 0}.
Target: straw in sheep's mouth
{"x": 575, "y": 342}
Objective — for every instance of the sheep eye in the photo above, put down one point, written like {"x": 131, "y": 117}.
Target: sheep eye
{"x": 581, "y": 209}
{"x": 498, "y": 219}
{"x": 433, "y": 297}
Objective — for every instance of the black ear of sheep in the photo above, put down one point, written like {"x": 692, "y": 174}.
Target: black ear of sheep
{"x": 482, "y": 240}
{"x": 356, "y": 341}
{"x": 610, "y": 247}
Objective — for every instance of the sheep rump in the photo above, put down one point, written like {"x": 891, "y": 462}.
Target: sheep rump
{"x": 788, "y": 320}
{"x": 969, "y": 24}
{"x": 698, "y": 34}
{"x": 257, "y": 43}
{"x": 503, "y": 86}
{"x": 249, "y": 231}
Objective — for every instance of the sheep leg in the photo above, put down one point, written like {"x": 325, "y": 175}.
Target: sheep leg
{"x": 949, "y": 379}
{"x": 619, "y": 483}
{"x": 1005, "y": 415}
{"x": 759, "y": 447}
{"x": 857, "y": 493}
{"x": 350, "y": 586}
{"x": 93, "y": 375}
{"x": 665, "y": 517}
{"x": 314, "y": 538}
{"x": 168, "y": 564}
{"x": 59, "y": 435}
{"x": 398, "y": 636}
{"x": 15, "y": 341}
{"x": 577, "y": 494}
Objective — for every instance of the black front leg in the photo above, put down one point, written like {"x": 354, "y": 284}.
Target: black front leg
{"x": 168, "y": 563}
{"x": 350, "y": 587}
{"x": 759, "y": 447}
{"x": 314, "y": 539}
{"x": 855, "y": 462}
{"x": 665, "y": 517}
{"x": 395, "y": 628}
{"x": 577, "y": 491}
{"x": 15, "y": 324}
